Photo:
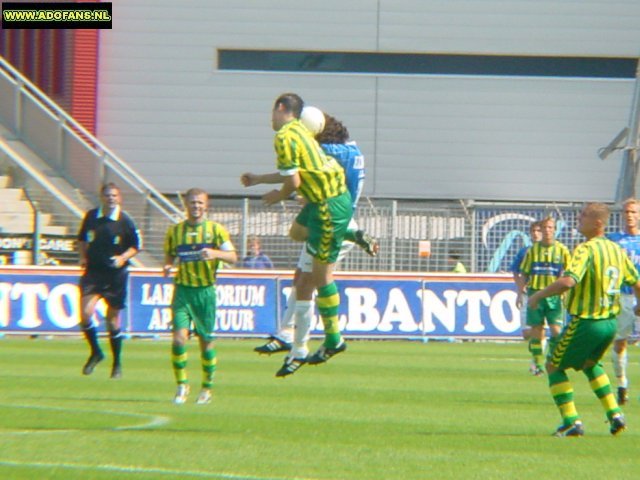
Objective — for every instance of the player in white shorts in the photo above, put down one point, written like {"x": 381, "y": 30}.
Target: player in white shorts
{"x": 629, "y": 240}
{"x": 293, "y": 329}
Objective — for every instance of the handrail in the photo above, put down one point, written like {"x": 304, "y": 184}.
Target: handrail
{"x": 96, "y": 145}
{"x": 41, "y": 179}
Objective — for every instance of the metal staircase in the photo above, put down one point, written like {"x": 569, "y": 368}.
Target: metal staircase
{"x": 61, "y": 166}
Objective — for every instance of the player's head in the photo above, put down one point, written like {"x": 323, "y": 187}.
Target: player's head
{"x": 110, "y": 196}
{"x": 593, "y": 219}
{"x": 535, "y": 231}
{"x": 548, "y": 227}
{"x": 197, "y": 201}
{"x": 286, "y": 107}
{"x": 631, "y": 215}
{"x": 334, "y": 131}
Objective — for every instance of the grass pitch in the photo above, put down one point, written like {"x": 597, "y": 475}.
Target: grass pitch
{"x": 382, "y": 410}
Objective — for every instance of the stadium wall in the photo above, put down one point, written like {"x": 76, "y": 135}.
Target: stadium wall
{"x": 166, "y": 106}
{"x": 44, "y": 301}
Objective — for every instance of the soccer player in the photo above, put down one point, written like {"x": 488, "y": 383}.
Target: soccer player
{"x": 629, "y": 240}
{"x": 107, "y": 240}
{"x": 543, "y": 263}
{"x": 198, "y": 245}
{"x": 597, "y": 270}
{"x": 535, "y": 233}
{"x": 323, "y": 221}
{"x": 294, "y": 327}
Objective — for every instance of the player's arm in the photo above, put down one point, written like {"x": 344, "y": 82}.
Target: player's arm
{"x": 290, "y": 183}
{"x": 251, "y": 179}
{"x": 82, "y": 252}
{"x": 226, "y": 252}
{"x": 124, "y": 257}
{"x": 636, "y": 290}
{"x": 556, "y": 288}
{"x": 521, "y": 287}
{"x": 169, "y": 262}
{"x": 169, "y": 253}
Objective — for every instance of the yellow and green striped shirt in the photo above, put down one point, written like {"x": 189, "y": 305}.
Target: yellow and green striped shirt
{"x": 185, "y": 241}
{"x": 321, "y": 176}
{"x": 600, "y": 267}
{"x": 544, "y": 264}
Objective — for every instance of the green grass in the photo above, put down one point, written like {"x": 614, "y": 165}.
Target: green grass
{"x": 382, "y": 410}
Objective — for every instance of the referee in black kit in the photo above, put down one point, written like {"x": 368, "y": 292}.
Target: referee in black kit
{"x": 107, "y": 240}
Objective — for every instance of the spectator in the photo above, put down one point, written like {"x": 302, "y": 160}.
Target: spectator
{"x": 458, "y": 266}
{"x": 257, "y": 258}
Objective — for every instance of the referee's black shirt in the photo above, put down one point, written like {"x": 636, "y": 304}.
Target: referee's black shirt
{"x": 107, "y": 236}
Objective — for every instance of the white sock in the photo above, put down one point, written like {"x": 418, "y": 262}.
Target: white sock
{"x": 303, "y": 317}
{"x": 620, "y": 367}
{"x": 287, "y": 322}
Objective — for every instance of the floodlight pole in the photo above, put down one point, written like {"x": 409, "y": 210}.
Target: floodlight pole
{"x": 629, "y": 171}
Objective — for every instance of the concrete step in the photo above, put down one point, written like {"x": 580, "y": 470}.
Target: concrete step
{"x": 5, "y": 181}
{"x": 25, "y": 227}
{"x": 55, "y": 230}
{"x": 16, "y": 206}
{"x": 11, "y": 195}
{"x": 13, "y": 218}
{"x": 46, "y": 230}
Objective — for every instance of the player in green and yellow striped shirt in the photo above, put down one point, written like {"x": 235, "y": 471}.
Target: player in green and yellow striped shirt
{"x": 303, "y": 167}
{"x": 596, "y": 272}
{"x": 543, "y": 263}
{"x": 199, "y": 246}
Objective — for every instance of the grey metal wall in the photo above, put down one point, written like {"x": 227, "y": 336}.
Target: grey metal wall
{"x": 165, "y": 108}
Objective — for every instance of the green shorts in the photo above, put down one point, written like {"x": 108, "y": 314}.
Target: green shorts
{"x": 327, "y": 224}
{"x": 549, "y": 309}
{"x": 197, "y": 305}
{"x": 581, "y": 340}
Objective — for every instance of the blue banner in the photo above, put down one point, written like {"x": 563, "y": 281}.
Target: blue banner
{"x": 37, "y": 300}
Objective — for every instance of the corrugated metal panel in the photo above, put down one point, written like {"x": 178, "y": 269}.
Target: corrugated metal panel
{"x": 211, "y": 134}
{"x": 521, "y": 139}
{"x": 537, "y": 27}
{"x": 167, "y": 110}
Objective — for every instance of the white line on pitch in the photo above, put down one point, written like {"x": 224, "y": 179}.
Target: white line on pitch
{"x": 155, "y": 420}
{"x": 134, "y": 469}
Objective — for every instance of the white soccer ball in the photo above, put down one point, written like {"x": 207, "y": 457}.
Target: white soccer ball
{"x": 313, "y": 119}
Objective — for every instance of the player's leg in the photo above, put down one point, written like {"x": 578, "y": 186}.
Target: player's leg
{"x": 625, "y": 323}
{"x": 326, "y": 224}
{"x": 204, "y": 317}
{"x": 89, "y": 297}
{"x": 361, "y": 238}
{"x": 209, "y": 361}
{"x": 302, "y": 315}
{"x": 90, "y": 294}
{"x": 305, "y": 287}
{"x": 525, "y": 330}
{"x": 620, "y": 360}
{"x": 180, "y": 323}
{"x": 600, "y": 334}
{"x": 328, "y": 300}
{"x": 283, "y": 339}
{"x": 115, "y": 295}
{"x": 535, "y": 320}
{"x": 555, "y": 315}
{"x": 115, "y": 340}
{"x": 565, "y": 356}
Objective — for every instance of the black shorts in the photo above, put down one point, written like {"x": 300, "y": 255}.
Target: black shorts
{"x": 110, "y": 285}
